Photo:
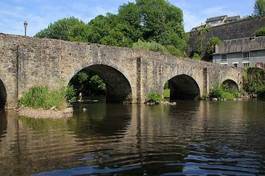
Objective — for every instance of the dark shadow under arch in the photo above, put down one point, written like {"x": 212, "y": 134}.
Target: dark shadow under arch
{"x": 230, "y": 84}
{"x": 118, "y": 89}
{"x": 3, "y": 123}
{"x": 183, "y": 87}
{"x": 3, "y": 95}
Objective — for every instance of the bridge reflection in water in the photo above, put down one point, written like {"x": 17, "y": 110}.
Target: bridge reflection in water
{"x": 189, "y": 138}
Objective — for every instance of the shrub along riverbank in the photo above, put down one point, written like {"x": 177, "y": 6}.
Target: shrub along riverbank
{"x": 254, "y": 82}
{"x": 224, "y": 93}
{"x": 42, "y": 97}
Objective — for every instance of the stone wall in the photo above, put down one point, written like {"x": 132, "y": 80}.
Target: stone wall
{"x": 28, "y": 62}
{"x": 241, "y": 45}
{"x": 241, "y": 29}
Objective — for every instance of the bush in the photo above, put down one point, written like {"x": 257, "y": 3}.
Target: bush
{"x": 70, "y": 94}
{"x": 196, "y": 56}
{"x": 254, "y": 80}
{"x": 260, "y": 32}
{"x": 156, "y": 47}
{"x": 222, "y": 92}
{"x": 42, "y": 97}
{"x": 150, "y": 46}
{"x": 154, "y": 97}
{"x": 261, "y": 93}
{"x": 174, "y": 51}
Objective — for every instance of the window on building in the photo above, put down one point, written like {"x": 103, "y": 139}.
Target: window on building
{"x": 246, "y": 64}
{"x": 224, "y": 57}
{"x": 235, "y": 64}
{"x": 246, "y": 55}
{"x": 260, "y": 53}
{"x": 234, "y": 56}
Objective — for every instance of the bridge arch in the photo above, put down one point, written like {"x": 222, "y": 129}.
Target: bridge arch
{"x": 118, "y": 86}
{"x": 230, "y": 84}
{"x": 3, "y": 95}
{"x": 183, "y": 87}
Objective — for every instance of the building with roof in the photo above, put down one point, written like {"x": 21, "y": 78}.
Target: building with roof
{"x": 217, "y": 21}
{"x": 241, "y": 52}
{"x": 243, "y": 28}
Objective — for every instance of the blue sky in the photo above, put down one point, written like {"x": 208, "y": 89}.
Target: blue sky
{"x": 39, "y": 13}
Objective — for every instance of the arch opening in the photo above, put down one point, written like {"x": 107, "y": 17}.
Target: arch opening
{"x": 182, "y": 87}
{"x": 230, "y": 85}
{"x": 101, "y": 83}
{"x": 3, "y": 95}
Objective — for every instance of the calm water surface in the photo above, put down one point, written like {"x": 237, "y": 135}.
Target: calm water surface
{"x": 191, "y": 138}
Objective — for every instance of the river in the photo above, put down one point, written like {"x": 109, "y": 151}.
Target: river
{"x": 191, "y": 138}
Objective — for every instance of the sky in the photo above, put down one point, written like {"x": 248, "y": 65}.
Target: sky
{"x": 40, "y": 13}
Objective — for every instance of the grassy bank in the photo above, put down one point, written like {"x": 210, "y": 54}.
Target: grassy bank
{"x": 42, "y": 97}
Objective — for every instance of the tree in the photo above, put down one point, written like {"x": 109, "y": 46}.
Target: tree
{"x": 259, "y": 8}
{"x": 89, "y": 83}
{"x": 211, "y": 45}
{"x": 202, "y": 31}
{"x": 70, "y": 29}
{"x": 147, "y": 20}
{"x": 161, "y": 22}
{"x": 260, "y": 32}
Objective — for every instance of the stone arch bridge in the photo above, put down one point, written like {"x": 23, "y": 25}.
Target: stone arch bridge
{"x": 129, "y": 74}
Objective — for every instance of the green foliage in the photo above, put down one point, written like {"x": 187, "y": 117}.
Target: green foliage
{"x": 196, "y": 56}
{"x": 42, "y": 97}
{"x": 82, "y": 77}
{"x": 254, "y": 80}
{"x": 261, "y": 93}
{"x": 200, "y": 42}
{"x": 259, "y": 8}
{"x": 70, "y": 29}
{"x": 96, "y": 82}
{"x": 174, "y": 51}
{"x": 151, "y": 46}
{"x": 70, "y": 94}
{"x": 166, "y": 93}
{"x": 222, "y": 92}
{"x": 260, "y": 32}
{"x": 89, "y": 83}
{"x": 154, "y": 46}
{"x": 211, "y": 45}
{"x": 154, "y": 97}
{"x": 147, "y": 20}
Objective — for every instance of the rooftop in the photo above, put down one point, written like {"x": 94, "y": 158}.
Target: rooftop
{"x": 219, "y": 20}
{"x": 241, "y": 45}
